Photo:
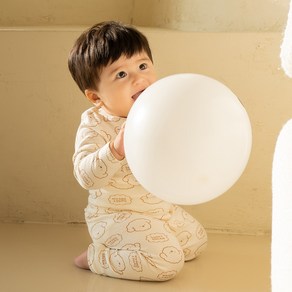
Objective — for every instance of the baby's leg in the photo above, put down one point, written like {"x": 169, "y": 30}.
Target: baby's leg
{"x": 190, "y": 233}
{"x": 138, "y": 248}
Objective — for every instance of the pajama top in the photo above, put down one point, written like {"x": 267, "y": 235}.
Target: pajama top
{"x": 110, "y": 182}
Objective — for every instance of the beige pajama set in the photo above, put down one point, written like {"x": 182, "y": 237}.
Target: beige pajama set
{"x": 135, "y": 235}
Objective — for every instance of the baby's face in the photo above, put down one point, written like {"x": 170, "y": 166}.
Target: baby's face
{"x": 123, "y": 81}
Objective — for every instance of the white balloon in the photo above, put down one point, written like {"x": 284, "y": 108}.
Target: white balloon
{"x": 187, "y": 139}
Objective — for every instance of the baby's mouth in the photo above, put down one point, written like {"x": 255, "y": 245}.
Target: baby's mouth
{"x": 136, "y": 95}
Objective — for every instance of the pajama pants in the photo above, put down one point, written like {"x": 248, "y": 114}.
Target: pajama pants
{"x": 139, "y": 246}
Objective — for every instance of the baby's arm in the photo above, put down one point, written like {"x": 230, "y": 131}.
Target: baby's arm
{"x": 97, "y": 157}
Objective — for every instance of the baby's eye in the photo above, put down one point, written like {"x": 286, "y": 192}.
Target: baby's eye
{"x": 143, "y": 66}
{"x": 121, "y": 74}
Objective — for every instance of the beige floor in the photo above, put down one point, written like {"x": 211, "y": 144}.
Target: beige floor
{"x": 37, "y": 257}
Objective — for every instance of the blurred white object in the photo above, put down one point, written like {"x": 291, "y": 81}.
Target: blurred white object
{"x": 282, "y": 212}
{"x": 286, "y": 48}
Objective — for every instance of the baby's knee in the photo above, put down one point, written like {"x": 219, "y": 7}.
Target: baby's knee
{"x": 202, "y": 241}
{"x": 170, "y": 262}
{"x": 168, "y": 272}
{"x": 196, "y": 245}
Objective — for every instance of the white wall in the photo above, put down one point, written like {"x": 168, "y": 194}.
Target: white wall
{"x": 189, "y": 15}
{"x": 40, "y": 108}
{"x": 213, "y": 15}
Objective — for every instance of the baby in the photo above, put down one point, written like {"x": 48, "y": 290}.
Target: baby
{"x": 135, "y": 235}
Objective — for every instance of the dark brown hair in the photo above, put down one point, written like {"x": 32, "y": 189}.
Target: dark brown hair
{"x": 100, "y": 45}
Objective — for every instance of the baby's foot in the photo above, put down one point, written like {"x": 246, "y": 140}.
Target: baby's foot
{"x": 81, "y": 261}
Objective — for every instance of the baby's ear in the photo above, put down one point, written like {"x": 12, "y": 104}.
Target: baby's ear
{"x": 92, "y": 96}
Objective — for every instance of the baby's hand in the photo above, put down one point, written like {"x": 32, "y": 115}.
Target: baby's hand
{"x": 117, "y": 146}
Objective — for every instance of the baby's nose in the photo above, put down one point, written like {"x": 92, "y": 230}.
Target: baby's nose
{"x": 140, "y": 79}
